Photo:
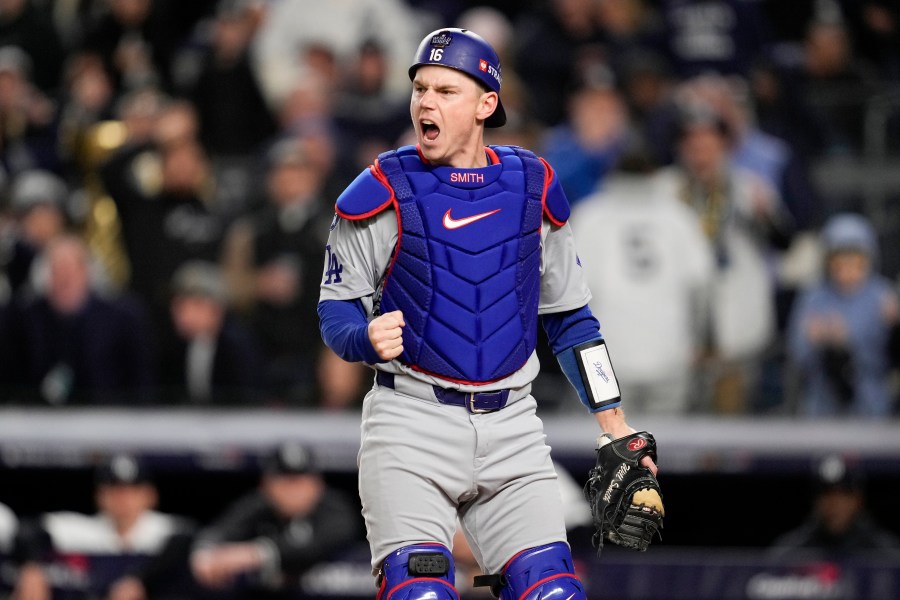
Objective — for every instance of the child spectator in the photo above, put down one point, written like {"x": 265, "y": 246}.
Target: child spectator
{"x": 839, "y": 330}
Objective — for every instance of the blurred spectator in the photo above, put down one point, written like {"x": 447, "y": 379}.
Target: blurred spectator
{"x": 765, "y": 154}
{"x": 647, "y": 86}
{"x": 585, "y": 148}
{"x": 70, "y": 344}
{"x": 97, "y": 144}
{"x": 268, "y": 538}
{"x": 720, "y": 36}
{"x": 556, "y": 44}
{"x": 123, "y": 37}
{"x": 834, "y": 83}
{"x": 369, "y": 117}
{"x": 28, "y": 127}
{"x": 209, "y": 357}
{"x": 649, "y": 274}
{"x": 839, "y": 330}
{"x": 875, "y": 29}
{"x": 24, "y": 24}
{"x": 273, "y": 262}
{"x": 177, "y": 122}
{"x": 133, "y": 167}
{"x": 307, "y": 114}
{"x": 838, "y": 525}
{"x": 38, "y": 200}
{"x": 781, "y": 109}
{"x": 139, "y": 111}
{"x": 785, "y": 171}
{"x": 740, "y": 215}
{"x": 629, "y": 27}
{"x": 138, "y": 39}
{"x": 297, "y": 37}
{"x": 169, "y": 204}
{"x": 127, "y": 550}
{"x": 226, "y": 91}
{"x": 87, "y": 98}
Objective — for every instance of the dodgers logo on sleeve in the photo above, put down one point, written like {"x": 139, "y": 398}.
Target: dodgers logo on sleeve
{"x": 334, "y": 267}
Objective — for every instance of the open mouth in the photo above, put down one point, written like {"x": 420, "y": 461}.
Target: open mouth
{"x": 430, "y": 131}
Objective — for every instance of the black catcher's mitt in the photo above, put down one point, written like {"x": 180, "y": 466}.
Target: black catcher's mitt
{"x": 625, "y": 498}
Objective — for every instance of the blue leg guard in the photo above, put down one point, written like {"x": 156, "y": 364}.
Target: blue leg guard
{"x": 418, "y": 572}
{"x": 542, "y": 572}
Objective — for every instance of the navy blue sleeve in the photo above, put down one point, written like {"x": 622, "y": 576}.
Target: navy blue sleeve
{"x": 568, "y": 329}
{"x": 345, "y": 330}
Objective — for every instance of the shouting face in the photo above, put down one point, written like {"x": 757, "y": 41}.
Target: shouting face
{"x": 448, "y": 110}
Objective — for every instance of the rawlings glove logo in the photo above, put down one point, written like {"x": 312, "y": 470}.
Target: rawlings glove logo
{"x": 636, "y": 444}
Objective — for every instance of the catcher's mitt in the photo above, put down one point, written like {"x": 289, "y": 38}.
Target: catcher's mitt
{"x": 625, "y": 498}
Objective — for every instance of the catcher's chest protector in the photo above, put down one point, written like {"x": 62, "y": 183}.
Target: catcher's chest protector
{"x": 466, "y": 272}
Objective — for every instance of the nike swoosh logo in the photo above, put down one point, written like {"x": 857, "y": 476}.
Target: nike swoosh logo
{"x": 451, "y": 223}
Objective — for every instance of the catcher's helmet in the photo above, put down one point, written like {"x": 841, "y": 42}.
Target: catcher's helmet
{"x": 464, "y": 51}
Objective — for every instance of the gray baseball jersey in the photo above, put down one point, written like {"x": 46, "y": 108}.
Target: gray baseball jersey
{"x": 423, "y": 464}
{"x": 363, "y": 248}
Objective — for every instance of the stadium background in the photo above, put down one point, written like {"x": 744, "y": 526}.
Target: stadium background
{"x": 733, "y": 482}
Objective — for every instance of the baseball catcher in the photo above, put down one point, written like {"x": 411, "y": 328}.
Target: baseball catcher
{"x": 624, "y": 496}
{"x": 444, "y": 260}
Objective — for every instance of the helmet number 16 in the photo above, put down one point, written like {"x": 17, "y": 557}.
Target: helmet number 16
{"x": 436, "y": 54}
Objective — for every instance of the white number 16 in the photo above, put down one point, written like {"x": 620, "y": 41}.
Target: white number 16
{"x": 436, "y": 54}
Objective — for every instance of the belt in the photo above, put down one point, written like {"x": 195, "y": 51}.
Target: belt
{"x": 474, "y": 402}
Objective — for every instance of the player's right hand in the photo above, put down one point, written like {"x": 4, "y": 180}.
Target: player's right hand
{"x": 386, "y": 335}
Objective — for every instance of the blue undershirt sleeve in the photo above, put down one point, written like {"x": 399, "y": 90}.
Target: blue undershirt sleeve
{"x": 345, "y": 330}
{"x": 568, "y": 329}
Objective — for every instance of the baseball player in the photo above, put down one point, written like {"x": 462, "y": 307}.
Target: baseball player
{"x": 441, "y": 260}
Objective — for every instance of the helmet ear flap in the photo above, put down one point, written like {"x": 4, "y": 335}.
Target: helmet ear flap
{"x": 468, "y": 52}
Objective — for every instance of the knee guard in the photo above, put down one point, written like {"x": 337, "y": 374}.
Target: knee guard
{"x": 418, "y": 572}
{"x": 542, "y": 572}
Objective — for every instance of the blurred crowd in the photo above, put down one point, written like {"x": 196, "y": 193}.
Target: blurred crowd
{"x": 128, "y": 548}
{"x": 294, "y": 533}
{"x": 168, "y": 171}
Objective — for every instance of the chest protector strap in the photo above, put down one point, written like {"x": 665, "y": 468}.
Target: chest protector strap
{"x": 466, "y": 270}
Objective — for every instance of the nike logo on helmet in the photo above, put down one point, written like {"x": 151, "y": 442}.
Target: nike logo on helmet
{"x": 451, "y": 223}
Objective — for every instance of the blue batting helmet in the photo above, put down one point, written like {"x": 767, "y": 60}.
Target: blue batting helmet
{"x": 468, "y": 52}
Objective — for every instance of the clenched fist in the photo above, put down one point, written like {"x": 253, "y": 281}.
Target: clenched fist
{"x": 386, "y": 335}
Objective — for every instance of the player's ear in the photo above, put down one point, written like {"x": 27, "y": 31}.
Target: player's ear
{"x": 487, "y": 104}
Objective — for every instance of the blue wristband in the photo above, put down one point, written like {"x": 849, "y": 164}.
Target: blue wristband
{"x": 573, "y": 369}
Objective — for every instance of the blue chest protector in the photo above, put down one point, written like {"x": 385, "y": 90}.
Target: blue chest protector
{"x": 466, "y": 272}
{"x": 466, "y": 269}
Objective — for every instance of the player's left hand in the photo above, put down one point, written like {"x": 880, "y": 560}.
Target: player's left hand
{"x": 625, "y": 498}
{"x": 613, "y": 422}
